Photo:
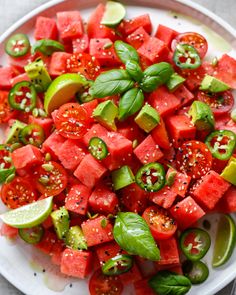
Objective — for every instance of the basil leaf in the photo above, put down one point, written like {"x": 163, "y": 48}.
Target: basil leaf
{"x": 155, "y": 76}
{"x": 134, "y": 70}
{"x": 169, "y": 283}
{"x": 126, "y": 52}
{"x": 133, "y": 235}
{"x": 110, "y": 83}
{"x": 130, "y": 103}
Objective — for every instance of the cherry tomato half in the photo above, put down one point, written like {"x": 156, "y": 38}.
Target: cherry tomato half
{"x": 101, "y": 284}
{"x": 161, "y": 224}
{"x": 50, "y": 178}
{"x": 17, "y": 193}
{"x": 194, "y": 39}
{"x": 72, "y": 120}
{"x": 220, "y": 103}
{"x": 194, "y": 158}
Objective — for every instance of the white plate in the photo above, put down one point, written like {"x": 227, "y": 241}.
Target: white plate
{"x": 21, "y": 264}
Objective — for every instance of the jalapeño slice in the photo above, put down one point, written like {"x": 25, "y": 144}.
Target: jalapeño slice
{"x": 32, "y": 134}
{"x": 17, "y": 45}
{"x": 98, "y": 148}
{"x": 221, "y": 144}
{"x": 31, "y": 235}
{"x": 47, "y": 47}
{"x": 151, "y": 177}
{"x": 186, "y": 57}
{"x": 117, "y": 265}
{"x": 196, "y": 271}
{"x": 23, "y": 96}
{"x": 6, "y": 165}
{"x": 195, "y": 242}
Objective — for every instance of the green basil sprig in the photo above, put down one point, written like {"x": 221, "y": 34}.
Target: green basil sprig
{"x": 126, "y": 52}
{"x": 130, "y": 103}
{"x": 134, "y": 70}
{"x": 133, "y": 235}
{"x": 169, "y": 283}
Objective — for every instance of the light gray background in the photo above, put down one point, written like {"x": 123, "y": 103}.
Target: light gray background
{"x": 12, "y": 10}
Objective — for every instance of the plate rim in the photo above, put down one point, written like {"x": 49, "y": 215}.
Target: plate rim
{"x": 27, "y": 17}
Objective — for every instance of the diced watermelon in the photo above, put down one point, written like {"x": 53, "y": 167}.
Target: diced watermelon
{"x": 6, "y": 76}
{"x": 169, "y": 158}
{"x": 8, "y": 231}
{"x": 148, "y": 151}
{"x": 163, "y": 101}
{"x": 48, "y": 222}
{"x": 186, "y": 212}
{"x": 105, "y": 56}
{"x": 81, "y": 44}
{"x": 20, "y": 62}
{"x": 58, "y": 64}
{"x": 142, "y": 288}
{"x": 96, "y": 130}
{"x": 134, "y": 198}
{"x": 69, "y": 24}
{"x": 164, "y": 197}
{"x": 57, "y": 253}
{"x": 103, "y": 200}
{"x": 19, "y": 78}
{"x": 154, "y": 50}
{"x": 53, "y": 144}
{"x": 77, "y": 199}
{"x": 129, "y": 26}
{"x": 47, "y": 242}
{"x": 26, "y": 156}
{"x": 227, "y": 203}
{"x": 138, "y": 37}
{"x": 165, "y": 34}
{"x": 94, "y": 27}
{"x": 218, "y": 165}
{"x": 130, "y": 130}
{"x": 169, "y": 252}
{"x": 181, "y": 182}
{"x": 89, "y": 108}
{"x": 45, "y": 123}
{"x": 184, "y": 95}
{"x": 160, "y": 135}
{"x": 210, "y": 189}
{"x": 76, "y": 263}
{"x": 90, "y": 171}
{"x": 97, "y": 231}
{"x": 107, "y": 251}
{"x": 45, "y": 28}
{"x": 132, "y": 276}
{"x": 71, "y": 154}
{"x": 181, "y": 129}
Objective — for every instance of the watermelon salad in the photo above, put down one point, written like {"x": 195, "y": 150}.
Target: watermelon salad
{"x": 130, "y": 134}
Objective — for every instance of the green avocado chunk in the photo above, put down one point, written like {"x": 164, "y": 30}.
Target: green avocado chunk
{"x": 213, "y": 84}
{"x": 174, "y": 82}
{"x": 122, "y": 177}
{"x": 148, "y": 118}
{"x": 229, "y": 172}
{"x": 13, "y": 134}
{"x": 38, "y": 75}
{"x": 61, "y": 222}
{"x": 202, "y": 116}
{"x": 75, "y": 238}
{"x": 105, "y": 113}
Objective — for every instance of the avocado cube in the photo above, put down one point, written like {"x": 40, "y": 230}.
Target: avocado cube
{"x": 229, "y": 172}
{"x": 38, "y": 75}
{"x": 122, "y": 177}
{"x": 13, "y": 134}
{"x": 105, "y": 113}
{"x": 174, "y": 82}
{"x": 61, "y": 222}
{"x": 148, "y": 118}
{"x": 202, "y": 116}
{"x": 75, "y": 238}
{"x": 213, "y": 84}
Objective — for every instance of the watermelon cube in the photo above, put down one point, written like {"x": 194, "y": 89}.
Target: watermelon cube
{"x": 165, "y": 34}
{"x": 138, "y": 37}
{"x": 71, "y": 154}
{"x": 77, "y": 199}
{"x": 148, "y": 151}
{"x": 169, "y": 252}
{"x": 70, "y": 24}
{"x": 57, "y": 253}
{"x": 164, "y": 197}
{"x": 53, "y": 144}
{"x": 97, "y": 230}
{"x": 129, "y": 26}
{"x": 8, "y": 231}
{"x": 80, "y": 44}
{"x": 45, "y": 28}
{"x": 103, "y": 200}
{"x": 160, "y": 135}
{"x": 90, "y": 171}
{"x": 181, "y": 182}
{"x": 58, "y": 64}
{"x": 89, "y": 107}
{"x": 6, "y": 76}
{"x": 20, "y": 62}
{"x": 26, "y": 156}
{"x": 19, "y": 78}
{"x": 163, "y": 101}
{"x": 47, "y": 242}
{"x": 45, "y": 123}
{"x": 180, "y": 129}
{"x": 184, "y": 95}
{"x": 210, "y": 189}
{"x": 130, "y": 130}
{"x": 96, "y": 130}
{"x": 186, "y": 212}
{"x": 225, "y": 70}
{"x": 227, "y": 203}
{"x": 76, "y": 263}
{"x": 107, "y": 251}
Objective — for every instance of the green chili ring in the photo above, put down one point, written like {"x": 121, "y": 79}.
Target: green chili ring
{"x": 190, "y": 56}
{"x": 196, "y": 271}
{"x": 32, "y": 134}
{"x": 98, "y": 148}
{"x": 31, "y": 235}
{"x": 17, "y": 45}
{"x": 117, "y": 265}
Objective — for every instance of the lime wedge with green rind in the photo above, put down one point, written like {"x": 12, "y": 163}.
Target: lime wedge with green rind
{"x": 29, "y": 215}
{"x": 62, "y": 90}
{"x": 225, "y": 240}
{"x": 114, "y": 13}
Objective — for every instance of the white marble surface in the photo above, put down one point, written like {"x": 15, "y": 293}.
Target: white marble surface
{"x": 12, "y": 10}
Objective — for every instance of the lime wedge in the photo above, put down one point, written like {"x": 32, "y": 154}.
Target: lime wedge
{"x": 29, "y": 215}
{"x": 62, "y": 89}
{"x": 114, "y": 13}
{"x": 225, "y": 241}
